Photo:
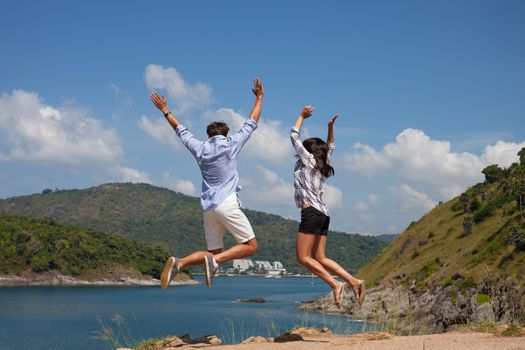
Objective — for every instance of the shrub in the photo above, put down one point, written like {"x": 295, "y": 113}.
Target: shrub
{"x": 467, "y": 283}
{"x": 447, "y": 282}
{"x": 488, "y": 209}
{"x": 475, "y": 204}
{"x": 516, "y": 236}
{"x": 457, "y": 206}
{"x": 483, "y": 298}
{"x": 454, "y": 297}
{"x": 512, "y": 331}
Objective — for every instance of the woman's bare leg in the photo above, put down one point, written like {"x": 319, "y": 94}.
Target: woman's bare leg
{"x": 304, "y": 246}
{"x": 318, "y": 251}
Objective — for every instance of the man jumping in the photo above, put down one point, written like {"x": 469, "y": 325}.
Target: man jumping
{"x": 217, "y": 160}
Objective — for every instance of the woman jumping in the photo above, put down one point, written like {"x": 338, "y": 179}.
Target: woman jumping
{"x": 310, "y": 173}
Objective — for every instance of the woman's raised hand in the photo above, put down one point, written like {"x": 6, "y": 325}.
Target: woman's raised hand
{"x": 332, "y": 121}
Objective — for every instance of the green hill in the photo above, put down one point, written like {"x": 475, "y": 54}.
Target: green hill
{"x": 30, "y": 246}
{"x": 477, "y": 234}
{"x": 158, "y": 216}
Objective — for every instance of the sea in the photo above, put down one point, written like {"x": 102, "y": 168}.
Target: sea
{"x": 94, "y": 318}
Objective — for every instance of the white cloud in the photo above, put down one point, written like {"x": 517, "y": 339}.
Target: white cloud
{"x": 34, "y": 131}
{"x": 161, "y": 131}
{"x": 411, "y": 200}
{"x": 183, "y": 186}
{"x": 270, "y": 176}
{"x": 332, "y": 196}
{"x": 268, "y": 142}
{"x": 126, "y": 174}
{"x": 502, "y": 153}
{"x": 361, "y": 207}
{"x": 429, "y": 163}
{"x": 272, "y": 190}
{"x": 373, "y": 198}
{"x": 365, "y": 160}
{"x": 392, "y": 229}
{"x": 265, "y": 190}
{"x": 183, "y": 95}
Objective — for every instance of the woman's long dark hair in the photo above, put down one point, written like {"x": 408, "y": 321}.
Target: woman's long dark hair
{"x": 319, "y": 149}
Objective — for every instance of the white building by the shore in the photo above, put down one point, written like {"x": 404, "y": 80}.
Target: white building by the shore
{"x": 275, "y": 268}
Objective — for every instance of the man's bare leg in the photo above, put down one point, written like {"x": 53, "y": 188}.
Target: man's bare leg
{"x": 238, "y": 251}
{"x": 196, "y": 258}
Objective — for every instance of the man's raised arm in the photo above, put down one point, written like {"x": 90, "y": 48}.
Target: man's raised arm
{"x": 258, "y": 91}
{"x": 161, "y": 103}
{"x": 191, "y": 143}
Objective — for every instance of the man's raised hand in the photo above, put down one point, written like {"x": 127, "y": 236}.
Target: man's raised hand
{"x": 159, "y": 102}
{"x": 258, "y": 90}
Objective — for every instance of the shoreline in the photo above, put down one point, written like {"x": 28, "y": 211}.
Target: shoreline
{"x": 58, "y": 280}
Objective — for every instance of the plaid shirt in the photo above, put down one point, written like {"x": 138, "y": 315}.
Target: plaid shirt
{"x": 308, "y": 181}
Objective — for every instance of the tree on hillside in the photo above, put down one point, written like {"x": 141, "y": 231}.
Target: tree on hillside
{"x": 493, "y": 173}
{"x": 521, "y": 154}
{"x": 515, "y": 185}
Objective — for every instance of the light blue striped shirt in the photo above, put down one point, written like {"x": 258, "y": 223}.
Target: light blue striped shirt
{"x": 217, "y": 160}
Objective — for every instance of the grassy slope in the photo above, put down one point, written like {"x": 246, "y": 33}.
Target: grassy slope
{"x": 447, "y": 251}
{"x": 174, "y": 221}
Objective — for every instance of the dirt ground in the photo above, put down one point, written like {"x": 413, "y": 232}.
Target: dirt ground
{"x": 449, "y": 341}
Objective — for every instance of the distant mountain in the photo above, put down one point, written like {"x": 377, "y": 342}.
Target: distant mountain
{"x": 387, "y": 237}
{"x": 158, "y": 216}
{"x": 33, "y": 246}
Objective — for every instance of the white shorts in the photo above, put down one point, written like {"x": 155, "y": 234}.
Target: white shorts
{"x": 227, "y": 216}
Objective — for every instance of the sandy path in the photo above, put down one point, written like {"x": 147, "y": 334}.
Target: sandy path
{"x": 448, "y": 341}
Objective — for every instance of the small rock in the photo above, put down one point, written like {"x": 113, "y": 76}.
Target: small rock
{"x": 456, "y": 276}
{"x": 252, "y": 300}
{"x": 288, "y": 338}
{"x": 208, "y": 339}
{"x": 255, "y": 340}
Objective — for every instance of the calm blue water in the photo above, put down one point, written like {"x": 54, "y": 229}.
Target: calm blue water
{"x": 51, "y": 318}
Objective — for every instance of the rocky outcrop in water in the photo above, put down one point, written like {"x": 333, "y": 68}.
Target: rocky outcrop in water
{"x": 57, "y": 279}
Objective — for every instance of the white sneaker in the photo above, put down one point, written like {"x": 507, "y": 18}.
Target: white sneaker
{"x": 170, "y": 270}
{"x": 210, "y": 269}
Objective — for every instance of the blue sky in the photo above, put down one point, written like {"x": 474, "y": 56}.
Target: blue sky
{"x": 429, "y": 93}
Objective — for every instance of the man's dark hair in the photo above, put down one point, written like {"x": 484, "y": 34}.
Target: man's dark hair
{"x": 217, "y": 128}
